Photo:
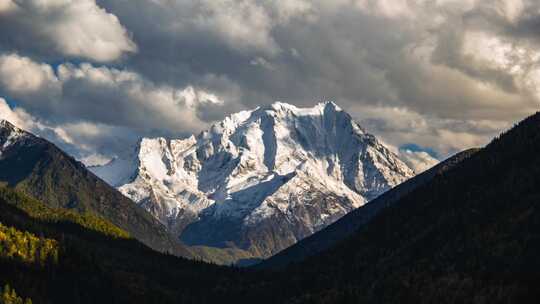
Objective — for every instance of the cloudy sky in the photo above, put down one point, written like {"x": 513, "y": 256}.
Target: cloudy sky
{"x": 429, "y": 77}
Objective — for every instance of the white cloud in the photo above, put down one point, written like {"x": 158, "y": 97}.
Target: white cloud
{"x": 248, "y": 24}
{"x": 290, "y": 9}
{"x": 21, "y": 75}
{"x": 12, "y": 116}
{"x": 6, "y": 6}
{"x": 401, "y": 126}
{"x": 103, "y": 95}
{"x": 419, "y": 161}
{"x": 387, "y": 8}
{"x": 20, "y": 118}
{"x": 243, "y": 24}
{"x": 77, "y": 28}
{"x": 97, "y": 108}
{"x": 83, "y": 140}
{"x": 261, "y": 62}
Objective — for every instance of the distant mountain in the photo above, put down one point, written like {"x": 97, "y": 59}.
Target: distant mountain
{"x": 355, "y": 220}
{"x": 261, "y": 180}
{"x": 37, "y": 167}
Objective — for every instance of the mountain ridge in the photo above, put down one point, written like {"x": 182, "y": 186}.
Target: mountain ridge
{"x": 38, "y": 168}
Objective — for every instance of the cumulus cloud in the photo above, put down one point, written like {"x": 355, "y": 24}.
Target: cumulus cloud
{"x": 15, "y": 117}
{"x": 56, "y": 28}
{"x": 86, "y": 109}
{"x": 399, "y": 126}
{"x": 92, "y": 143}
{"x": 21, "y": 75}
{"x": 445, "y": 74}
{"x": 101, "y": 94}
{"x": 419, "y": 161}
{"x": 360, "y": 52}
{"x": 57, "y": 134}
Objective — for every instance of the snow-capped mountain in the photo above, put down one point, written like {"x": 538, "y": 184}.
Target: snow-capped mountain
{"x": 259, "y": 180}
{"x": 10, "y": 134}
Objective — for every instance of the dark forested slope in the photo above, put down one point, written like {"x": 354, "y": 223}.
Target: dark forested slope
{"x": 40, "y": 169}
{"x": 53, "y": 256}
{"x": 470, "y": 235}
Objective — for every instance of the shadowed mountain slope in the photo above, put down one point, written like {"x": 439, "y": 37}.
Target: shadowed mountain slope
{"x": 40, "y": 169}
{"x": 354, "y": 220}
{"x": 470, "y": 235}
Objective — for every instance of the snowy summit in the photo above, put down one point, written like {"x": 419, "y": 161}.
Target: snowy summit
{"x": 259, "y": 180}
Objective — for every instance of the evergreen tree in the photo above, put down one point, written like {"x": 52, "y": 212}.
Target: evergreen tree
{"x": 9, "y": 296}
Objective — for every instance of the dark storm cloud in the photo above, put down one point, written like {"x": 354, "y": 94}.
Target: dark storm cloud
{"x": 336, "y": 52}
{"x": 333, "y": 56}
{"x": 408, "y": 69}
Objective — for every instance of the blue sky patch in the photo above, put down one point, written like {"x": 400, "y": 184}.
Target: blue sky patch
{"x": 417, "y": 148}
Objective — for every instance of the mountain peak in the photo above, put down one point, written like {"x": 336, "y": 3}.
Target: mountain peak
{"x": 317, "y": 109}
{"x": 278, "y": 112}
{"x": 279, "y": 105}
{"x": 5, "y": 124}
{"x": 10, "y": 134}
{"x": 329, "y": 104}
{"x": 260, "y": 172}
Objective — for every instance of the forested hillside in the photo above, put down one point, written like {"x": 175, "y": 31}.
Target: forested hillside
{"x": 63, "y": 257}
{"x": 471, "y": 235}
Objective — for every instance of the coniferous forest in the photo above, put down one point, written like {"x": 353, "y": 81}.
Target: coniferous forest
{"x": 470, "y": 235}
